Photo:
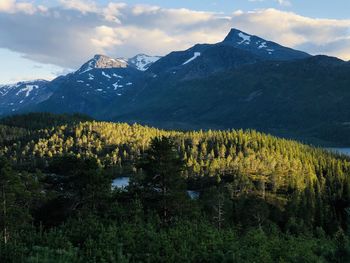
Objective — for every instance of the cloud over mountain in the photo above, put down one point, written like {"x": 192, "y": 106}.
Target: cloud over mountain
{"x": 69, "y": 33}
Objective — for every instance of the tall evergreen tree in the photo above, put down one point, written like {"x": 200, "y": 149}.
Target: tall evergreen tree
{"x": 14, "y": 199}
{"x": 162, "y": 166}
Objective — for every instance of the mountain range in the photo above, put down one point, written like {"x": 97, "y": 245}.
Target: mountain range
{"x": 242, "y": 82}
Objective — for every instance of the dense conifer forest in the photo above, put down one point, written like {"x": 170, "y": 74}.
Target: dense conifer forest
{"x": 258, "y": 198}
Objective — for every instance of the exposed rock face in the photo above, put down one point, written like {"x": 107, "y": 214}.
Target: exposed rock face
{"x": 102, "y": 61}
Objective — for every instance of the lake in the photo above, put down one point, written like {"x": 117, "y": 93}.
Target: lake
{"x": 120, "y": 182}
{"x": 123, "y": 182}
{"x": 345, "y": 151}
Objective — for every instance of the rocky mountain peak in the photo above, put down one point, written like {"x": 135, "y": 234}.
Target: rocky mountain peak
{"x": 102, "y": 62}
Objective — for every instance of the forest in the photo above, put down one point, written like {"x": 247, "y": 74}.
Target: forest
{"x": 258, "y": 198}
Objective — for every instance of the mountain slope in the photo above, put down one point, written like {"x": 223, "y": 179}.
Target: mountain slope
{"x": 87, "y": 90}
{"x": 237, "y": 49}
{"x": 91, "y": 87}
{"x": 15, "y": 97}
{"x": 305, "y": 99}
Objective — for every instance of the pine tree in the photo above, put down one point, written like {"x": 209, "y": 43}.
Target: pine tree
{"x": 162, "y": 167}
{"x": 13, "y": 195}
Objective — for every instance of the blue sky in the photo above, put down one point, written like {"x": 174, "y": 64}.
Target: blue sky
{"x": 46, "y": 38}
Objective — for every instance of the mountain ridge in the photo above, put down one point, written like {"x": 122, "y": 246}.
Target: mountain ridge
{"x": 261, "y": 47}
{"x": 237, "y": 83}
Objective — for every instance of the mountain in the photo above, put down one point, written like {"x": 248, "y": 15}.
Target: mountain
{"x": 142, "y": 61}
{"x": 102, "y": 62}
{"x": 86, "y": 90}
{"x": 242, "y": 82}
{"x": 91, "y": 87}
{"x": 202, "y": 60}
{"x": 266, "y": 49}
{"x": 306, "y": 99}
{"x": 237, "y": 49}
{"x": 17, "y": 96}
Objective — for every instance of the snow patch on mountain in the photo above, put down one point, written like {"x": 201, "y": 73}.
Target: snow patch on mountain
{"x": 195, "y": 55}
{"x": 28, "y": 89}
{"x": 106, "y": 75}
{"x": 122, "y": 60}
{"x": 245, "y": 38}
{"x": 143, "y": 62}
{"x": 90, "y": 66}
{"x": 116, "y": 85}
{"x": 5, "y": 89}
{"x": 262, "y": 45}
{"x": 117, "y": 76}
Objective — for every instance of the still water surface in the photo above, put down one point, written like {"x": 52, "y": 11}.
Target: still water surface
{"x": 123, "y": 182}
{"x": 345, "y": 151}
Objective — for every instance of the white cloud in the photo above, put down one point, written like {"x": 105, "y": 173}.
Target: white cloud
{"x": 145, "y": 9}
{"x": 42, "y": 8}
{"x": 113, "y": 11}
{"x": 7, "y": 5}
{"x": 106, "y": 37}
{"x": 26, "y": 8}
{"x": 64, "y": 37}
{"x": 84, "y": 6}
{"x": 281, "y": 2}
{"x": 12, "y": 6}
{"x": 312, "y": 35}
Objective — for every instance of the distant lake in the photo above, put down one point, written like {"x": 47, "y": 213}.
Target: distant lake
{"x": 120, "y": 182}
{"x": 345, "y": 151}
{"x": 123, "y": 182}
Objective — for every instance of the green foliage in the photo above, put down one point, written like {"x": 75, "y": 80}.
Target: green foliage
{"x": 162, "y": 182}
{"x": 15, "y": 201}
{"x": 47, "y": 255}
{"x": 261, "y": 198}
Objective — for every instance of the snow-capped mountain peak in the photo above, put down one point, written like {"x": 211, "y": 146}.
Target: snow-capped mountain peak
{"x": 142, "y": 62}
{"x": 102, "y": 62}
{"x": 261, "y": 47}
{"x": 14, "y": 97}
{"x": 238, "y": 38}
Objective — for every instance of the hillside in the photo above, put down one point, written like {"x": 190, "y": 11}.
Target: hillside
{"x": 304, "y": 99}
{"x": 253, "y": 191}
